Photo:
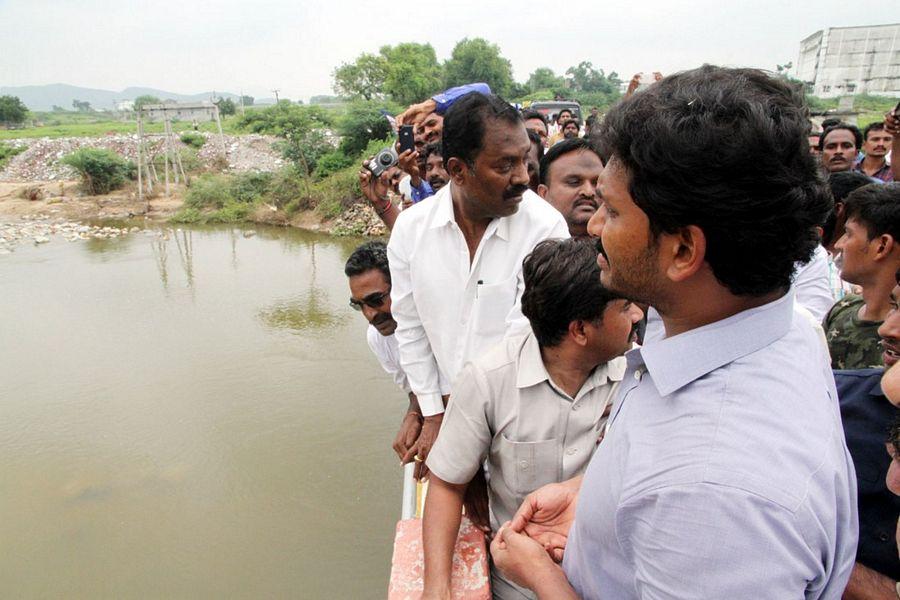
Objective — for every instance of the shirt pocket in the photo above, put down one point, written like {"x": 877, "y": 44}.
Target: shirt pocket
{"x": 526, "y": 466}
{"x": 493, "y": 303}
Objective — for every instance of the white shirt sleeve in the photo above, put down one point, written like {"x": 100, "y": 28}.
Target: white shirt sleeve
{"x": 386, "y": 351}
{"x": 812, "y": 285}
{"x": 416, "y": 356}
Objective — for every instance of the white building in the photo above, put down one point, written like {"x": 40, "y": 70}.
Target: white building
{"x": 852, "y": 60}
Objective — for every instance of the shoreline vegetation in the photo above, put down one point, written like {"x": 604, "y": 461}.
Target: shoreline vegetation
{"x": 302, "y": 168}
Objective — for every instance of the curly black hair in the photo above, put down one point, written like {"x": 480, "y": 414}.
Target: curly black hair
{"x": 725, "y": 150}
{"x": 562, "y": 284}
{"x": 368, "y": 256}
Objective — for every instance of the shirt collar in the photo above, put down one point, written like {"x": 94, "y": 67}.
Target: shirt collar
{"x": 443, "y": 215}
{"x": 677, "y": 361}
{"x": 530, "y": 369}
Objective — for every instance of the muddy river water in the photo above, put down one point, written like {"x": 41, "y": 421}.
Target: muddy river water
{"x": 195, "y": 415}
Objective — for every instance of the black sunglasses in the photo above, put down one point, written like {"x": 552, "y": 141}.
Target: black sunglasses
{"x": 372, "y": 300}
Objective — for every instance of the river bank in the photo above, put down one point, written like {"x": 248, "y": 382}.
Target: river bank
{"x": 63, "y": 200}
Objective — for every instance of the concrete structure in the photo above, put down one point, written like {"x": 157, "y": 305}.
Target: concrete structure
{"x": 841, "y": 61}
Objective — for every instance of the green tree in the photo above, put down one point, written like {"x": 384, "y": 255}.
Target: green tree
{"x": 362, "y": 123}
{"x": 479, "y": 60}
{"x": 226, "y": 107}
{"x": 302, "y": 129}
{"x": 412, "y": 72}
{"x": 585, "y": 78}
{"x": 247, "y": 100}
{"x": 12, "y": 110}
{"x": 363, "y": 77}
{"x": 81, "y": 106}
{"x": 145, "y": 99}
{"x": 544, "y": 78}
{"x": 101, "y": 171}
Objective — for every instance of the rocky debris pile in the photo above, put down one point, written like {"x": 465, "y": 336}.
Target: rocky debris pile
{"x": 244, "y": 152}
{"x": 359, "y": 219}
{"x": 41, "y": 160}
{"x": 40, "y": 229}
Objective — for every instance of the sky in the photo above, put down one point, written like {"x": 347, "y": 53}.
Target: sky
{"x": 192, "y": 46}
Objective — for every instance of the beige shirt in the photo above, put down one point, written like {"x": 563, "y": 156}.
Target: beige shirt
{"x": 506, "y": 408}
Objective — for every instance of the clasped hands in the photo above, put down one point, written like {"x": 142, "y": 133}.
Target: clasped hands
{"x": 529, "y": 548}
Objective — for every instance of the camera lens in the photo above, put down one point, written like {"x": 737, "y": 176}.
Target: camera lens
{"x": 385, "y": 159}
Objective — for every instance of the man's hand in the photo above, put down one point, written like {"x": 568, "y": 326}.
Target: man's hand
{"x": 409, "y": 431}
{"x": 523, "y": 561}
{"x": 419, "y": 451}
{"x": 547, "y": 514}
{"x": 408, "y": 161}
{"x": 374, "y": 188}
{"x": 892, "y": 123}
{"x": 416, "y": 113}
{"x": 476, "y": 502}
{"x": 633, "y": 84}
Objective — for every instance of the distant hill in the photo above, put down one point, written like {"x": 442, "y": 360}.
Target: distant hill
{"x": 43, "y": 97}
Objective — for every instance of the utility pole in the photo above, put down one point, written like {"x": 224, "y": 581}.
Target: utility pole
{"x": 242, "y": 102}
{"x": 276, "y": 95}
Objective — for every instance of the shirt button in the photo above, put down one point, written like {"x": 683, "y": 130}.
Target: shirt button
{"x": 571, "y": 451}
{"x": 883, "y": 537}
{"x": 523, "y": 464}
{"x": 638, "y": 374}
{"x": 575, "y": 407}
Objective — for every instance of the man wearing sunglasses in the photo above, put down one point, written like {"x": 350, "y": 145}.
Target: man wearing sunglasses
{"x": 370, "y": 293}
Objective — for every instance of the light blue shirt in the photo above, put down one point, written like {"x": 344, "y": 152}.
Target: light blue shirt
{"x": 724, "y": 473}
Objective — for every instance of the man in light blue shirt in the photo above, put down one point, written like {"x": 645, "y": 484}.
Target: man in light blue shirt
{"x": 724, "y": 473}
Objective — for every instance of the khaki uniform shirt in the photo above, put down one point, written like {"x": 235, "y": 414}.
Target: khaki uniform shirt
{"x": 505, "y": 408}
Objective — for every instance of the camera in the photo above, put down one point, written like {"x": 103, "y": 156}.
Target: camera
{"x": 383, "y": 161}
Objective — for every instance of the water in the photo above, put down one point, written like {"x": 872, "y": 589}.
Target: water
{"x": 191, "y": 418}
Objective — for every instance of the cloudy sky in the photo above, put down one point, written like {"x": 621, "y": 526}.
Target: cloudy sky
{"x": 190, "y": 46}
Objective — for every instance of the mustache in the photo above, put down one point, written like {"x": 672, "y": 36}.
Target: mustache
{"x": 382, "y": 318}
{"x": 514, "y": 191}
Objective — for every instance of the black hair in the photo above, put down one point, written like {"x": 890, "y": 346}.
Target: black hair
{"x": 877, "y": 207}
{"x": 841, "y": 184}
{"x": 876, "y": 126}
{"x": 561, "y": 148}
{"x": 464, "y": 124}
{"x": 432, "y": 148}
{"x": 857, "y": 136}
{"x": 530, "y": 113}
{"x": 725, "y": 150}
{"x": 562, "y": 284}
{"x": 565, "y": 123}
{"x": 830, "y": 122}
{"x": 537, "y": 141}
{"x": 371, "y": 255}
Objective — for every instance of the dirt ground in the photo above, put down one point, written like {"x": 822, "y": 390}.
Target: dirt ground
{"x": 63, "y": 199}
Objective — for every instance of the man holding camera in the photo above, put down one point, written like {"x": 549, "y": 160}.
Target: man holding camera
{"x": 456, "y": 260}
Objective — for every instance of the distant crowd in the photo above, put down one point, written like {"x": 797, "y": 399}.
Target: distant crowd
{"x": 649, "y": 354}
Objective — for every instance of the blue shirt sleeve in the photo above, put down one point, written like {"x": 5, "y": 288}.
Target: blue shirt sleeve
{"x": 446, "y": 99}
{"x": 420, "y": 193}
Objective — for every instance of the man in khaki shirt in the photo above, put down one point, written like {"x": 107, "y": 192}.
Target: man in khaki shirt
{"x": 534, "y": 406}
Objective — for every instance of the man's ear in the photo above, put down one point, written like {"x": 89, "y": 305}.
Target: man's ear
{"x": 685, "y": 251}
{"x": 542, "y": 190}
{"x": 457, "y": 169}
{"x": 577, "y": 332}
{"x": 885, "y": 246}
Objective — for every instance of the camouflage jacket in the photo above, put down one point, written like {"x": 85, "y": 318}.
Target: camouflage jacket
{"x": 853, "y": 343}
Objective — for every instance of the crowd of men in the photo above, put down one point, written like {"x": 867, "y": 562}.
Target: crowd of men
{"x": 662, "y": 351}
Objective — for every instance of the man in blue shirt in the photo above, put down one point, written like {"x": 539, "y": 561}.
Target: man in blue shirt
{"x": 724, "y": 473}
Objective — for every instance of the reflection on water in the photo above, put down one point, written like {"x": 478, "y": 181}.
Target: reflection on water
{"x": 160, "y": 436}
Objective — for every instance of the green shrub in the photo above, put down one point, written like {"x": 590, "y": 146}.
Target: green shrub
{"x": 289, "y": 191}
{"x": 232, "y": 212}
{"x": 331, "y": 163}
{"x": 101, "y": 171}
{"x": 190, "y": 160}
{"x": 188, "y": 215}
{"x": 250, "y": 186}
{"x": 362, "y": 123}
{"x": 209, "y": 191}
{"x": 193, "y": 139}
{"x": 337, "y": 192}
{"x": 7, "y": 152}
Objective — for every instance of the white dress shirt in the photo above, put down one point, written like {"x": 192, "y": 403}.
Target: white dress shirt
{"x": 385, "y": 349}
{"x": 812, "y": 284}
{"x": 448, "y": 309}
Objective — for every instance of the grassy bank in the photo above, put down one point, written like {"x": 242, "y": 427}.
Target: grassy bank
{"x": 72, "y": 124}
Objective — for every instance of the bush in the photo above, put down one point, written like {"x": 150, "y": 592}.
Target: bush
{"x": 188, "y": 215}
{"x": 101, "y": 171}
{"x": 250, "y": 187}
{"x": 289, "y": 191}
{"x": 209, "y": 191}
{"x": 331, "y": 163}
{"x": 232, "y": 212}
{"x": 190, "y": 160}
{"x": 337, "y": 192}
{"x": 7, "y": 152}
{"x": 193, "y": 139}
{"x": 362, "y": 123}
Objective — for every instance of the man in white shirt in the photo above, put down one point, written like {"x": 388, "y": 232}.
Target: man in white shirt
{"x": 456, "y": 260}
{"x": 370, "y": 288}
